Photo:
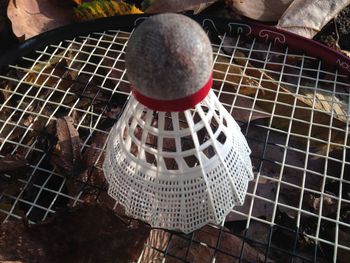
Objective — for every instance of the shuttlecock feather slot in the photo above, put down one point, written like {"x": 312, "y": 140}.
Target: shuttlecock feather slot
{"x": 176, "y": 158}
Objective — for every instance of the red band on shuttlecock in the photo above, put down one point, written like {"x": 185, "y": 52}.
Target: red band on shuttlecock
{"x": 180, "y": 104}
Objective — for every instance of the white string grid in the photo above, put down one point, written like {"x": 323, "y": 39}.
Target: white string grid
{"x": 293, "y": 111}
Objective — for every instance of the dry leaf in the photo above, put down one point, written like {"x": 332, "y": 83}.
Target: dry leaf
{"x": 83, "y": 234}
{"x": 49, "y": 74}
{"x": 227, "y": 76}
{"x": 161, "y": 6}
{"x": 115, "y": 69}
{"x": 66, "y": 154}
{"x": 307, "y": 17}
{"x": 11, "y": 163}
{"x": 343, "y": 255}
{"x": 9, "y": 127}
{"x": 92, "y": 175}
{"x": 94, "y": 156}
{"x": 262, "y": 10}
{"x": 104, "y": 8}
{"x": 266, "y": 90}
{"x": 257, "y": 231}
{"x": 344, "y": 240}
{"x": 268, "y": 160}
{"x": 17, "y": 167}
{"x": 261, "y": 87}
{"x": 228, "y": 249}
{"x": 32, "y": 17}
{"x": 229, "y": 243}
{"x": 5, "y": 91}
{"x": 7, "y": 205}
{"x": 244, "y": 110}
{"x": 329, "y": 205}
{"x": 157, "y": 241}
{"x": 261, "y": 208}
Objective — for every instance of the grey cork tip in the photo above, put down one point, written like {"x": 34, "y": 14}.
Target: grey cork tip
{"x": 168, "y": 56}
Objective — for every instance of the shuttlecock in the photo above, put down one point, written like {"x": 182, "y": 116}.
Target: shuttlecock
{"x": 176, "y": 158}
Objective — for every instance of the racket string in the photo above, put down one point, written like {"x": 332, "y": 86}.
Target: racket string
{"x": 96, "y": 75}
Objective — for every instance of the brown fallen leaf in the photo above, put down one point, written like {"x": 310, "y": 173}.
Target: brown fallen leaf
{"x": 262, "y": 10}
{"x": 92, "y": 176}
{"x": 248, "y": 78}
{"x": 336, "y": 167}
{"x": 88, "y": 233}
{"x": 48, "y": 73}
{"x": 313, "y": 92}
{"x": 90, "y": 185}
{"x": 343, "y": 255}
{"x": 174, "y": 6}
{"x": 32, "y": 17}
{"x": 5, "y": 91}
{"x": 227, "y": 77}
{"x": 8, "y": 207}
{"x": 17, "y": 167}
{"x": 10, "y": 187}
{"x": 156, "y": 242}
{"x": 257, "y": 231}
{"x": 10, "y": 127}
{"x": 329, "y": 205}
{"x": 306, "y": 18}
{"x": 201, "y": 249}
{"x": 55, "y": 73}
{"x": 94, "y": 155}
{"x": 344, "y": 240}
{"x": 229, "y": 248}
{"x": 66, "y": 154}
{"x": 267, "y": 161}
{"x": 115, "y": 68}
{"x": 242, "y": 108}
{"x": 261, "y": 208}
{"x": 268, "y": 90}
{"x": 11, "y": 163}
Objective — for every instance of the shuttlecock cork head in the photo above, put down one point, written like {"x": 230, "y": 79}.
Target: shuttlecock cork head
{"x": 169, "y": 62}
